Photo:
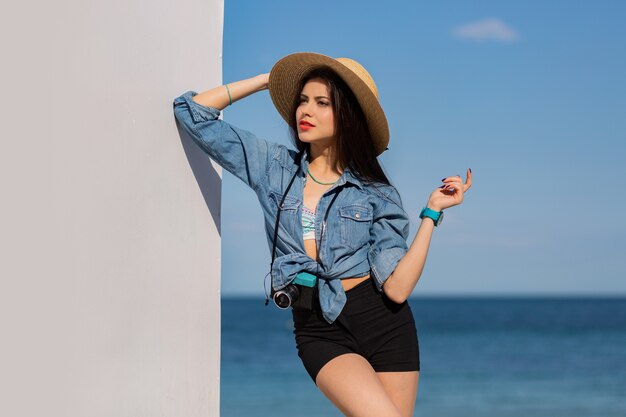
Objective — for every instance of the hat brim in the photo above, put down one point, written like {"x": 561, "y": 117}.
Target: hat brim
{"x": 287, "y": 73}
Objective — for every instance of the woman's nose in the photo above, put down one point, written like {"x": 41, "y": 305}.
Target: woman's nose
{"x": 306, "y": 109}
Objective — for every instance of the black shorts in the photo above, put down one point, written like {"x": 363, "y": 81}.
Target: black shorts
{"x": 370, "y": 324}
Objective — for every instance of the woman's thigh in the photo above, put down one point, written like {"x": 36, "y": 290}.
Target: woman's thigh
{"x": 401, "y": 388}
{"x": 349, "y": 382}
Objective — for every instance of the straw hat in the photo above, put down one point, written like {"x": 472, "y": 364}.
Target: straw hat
{"x": 286, "y": 74}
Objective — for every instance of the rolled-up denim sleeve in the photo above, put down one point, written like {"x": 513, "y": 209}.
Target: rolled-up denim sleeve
{"x": 239, "y": 151}
{"x": 388, "y": 236}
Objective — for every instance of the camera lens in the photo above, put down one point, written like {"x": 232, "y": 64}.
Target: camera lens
{"x": 285, "y": 297}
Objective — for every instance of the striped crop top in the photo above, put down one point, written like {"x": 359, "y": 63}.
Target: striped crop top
{"x": 308, "y": 223}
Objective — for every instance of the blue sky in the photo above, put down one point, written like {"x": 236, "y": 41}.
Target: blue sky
{"x": 530, "y": 95}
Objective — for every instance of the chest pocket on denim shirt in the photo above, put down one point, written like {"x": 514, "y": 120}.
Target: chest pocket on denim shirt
{"x": 289, "y": 213}
{"x": 356, "y": 221}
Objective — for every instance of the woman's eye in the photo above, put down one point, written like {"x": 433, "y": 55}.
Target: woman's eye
{"x": 321, "y": 103}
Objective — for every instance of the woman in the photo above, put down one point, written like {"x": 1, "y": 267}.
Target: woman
{"x": 341, "y": 222}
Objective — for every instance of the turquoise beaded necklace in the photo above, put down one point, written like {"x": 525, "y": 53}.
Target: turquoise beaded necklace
{"x": 319, "y": 182}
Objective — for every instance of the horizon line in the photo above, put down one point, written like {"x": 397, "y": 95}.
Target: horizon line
{"x": 477, "y": 295}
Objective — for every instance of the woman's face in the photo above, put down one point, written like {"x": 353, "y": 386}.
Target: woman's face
{"x": 315, "y": 108}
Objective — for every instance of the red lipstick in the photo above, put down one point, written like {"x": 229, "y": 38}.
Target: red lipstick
{"x": 304, "y": 125}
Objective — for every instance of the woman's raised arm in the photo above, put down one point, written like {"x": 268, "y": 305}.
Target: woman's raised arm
{"x": 218, "y": 97}
{"x": 239, "y": 151}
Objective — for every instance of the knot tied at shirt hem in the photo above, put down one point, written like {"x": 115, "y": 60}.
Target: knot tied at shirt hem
{"x": 332, "y": 296}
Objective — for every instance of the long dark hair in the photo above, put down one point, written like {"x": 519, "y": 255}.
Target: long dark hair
{"x": 355, "y": 147}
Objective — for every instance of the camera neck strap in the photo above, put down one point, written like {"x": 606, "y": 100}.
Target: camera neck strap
{"x": 280, "y": 207}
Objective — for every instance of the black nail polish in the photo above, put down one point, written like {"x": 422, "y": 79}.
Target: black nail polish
{"x": 470, "y": 170}
{"x": 443, "y": 179}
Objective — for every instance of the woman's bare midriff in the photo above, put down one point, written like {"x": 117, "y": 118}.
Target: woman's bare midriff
{"x": 311, "y": 250}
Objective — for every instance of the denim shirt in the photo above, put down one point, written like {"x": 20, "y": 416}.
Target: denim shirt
{"x": 366, "y": 229}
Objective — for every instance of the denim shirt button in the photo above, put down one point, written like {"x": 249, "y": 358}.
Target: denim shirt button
{"x": 358, "y": 215}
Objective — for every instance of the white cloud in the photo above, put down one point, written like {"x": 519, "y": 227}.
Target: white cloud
{"x": 487, "y": 29}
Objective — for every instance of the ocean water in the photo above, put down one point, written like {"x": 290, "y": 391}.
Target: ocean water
{"x": 504, "y": 357}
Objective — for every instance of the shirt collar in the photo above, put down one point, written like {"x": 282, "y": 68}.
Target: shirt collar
{"x": 346, "y": 176}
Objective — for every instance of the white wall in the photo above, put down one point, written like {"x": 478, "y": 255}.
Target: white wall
{"x": 109, "y": 300}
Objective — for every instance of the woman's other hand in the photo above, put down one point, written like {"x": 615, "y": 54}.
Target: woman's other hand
{"x": 451, "y": 193}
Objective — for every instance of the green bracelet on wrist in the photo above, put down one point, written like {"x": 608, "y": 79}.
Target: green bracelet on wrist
{"x": 230, "y": 99}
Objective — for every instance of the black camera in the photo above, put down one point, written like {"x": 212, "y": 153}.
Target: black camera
{"x": 300, "y": 294}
